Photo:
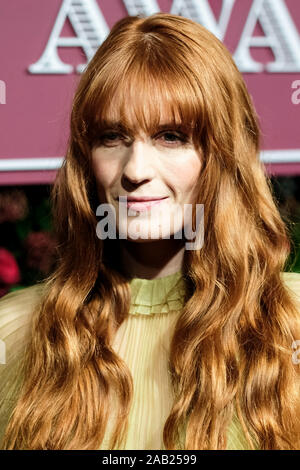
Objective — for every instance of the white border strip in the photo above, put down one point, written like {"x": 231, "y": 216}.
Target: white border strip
{"x": 280, "y": 156}
{"x": 30, "y": 164}
{"x": 54, "y": 163}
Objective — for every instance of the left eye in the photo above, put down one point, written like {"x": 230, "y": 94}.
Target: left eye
{"x": 110, "y": 135}
{"x": 109, "y": 138}
{"x": 172, "y": 137}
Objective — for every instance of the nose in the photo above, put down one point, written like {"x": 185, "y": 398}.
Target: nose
{"x": 139, "y": 164}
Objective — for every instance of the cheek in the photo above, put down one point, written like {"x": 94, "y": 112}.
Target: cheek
{"x": 185, "y": 176}
{"x": 105, "y": 171}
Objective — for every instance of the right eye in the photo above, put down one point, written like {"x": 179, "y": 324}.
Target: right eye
{"x": 109, "y": 138}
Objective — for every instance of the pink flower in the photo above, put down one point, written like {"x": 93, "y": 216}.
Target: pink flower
{"x": 40, "y": 248}
{"x": 9, "y": 269}
{"x": 13, "y": 205}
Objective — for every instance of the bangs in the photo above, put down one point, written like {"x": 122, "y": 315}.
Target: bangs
{"x": 143, "y": 95}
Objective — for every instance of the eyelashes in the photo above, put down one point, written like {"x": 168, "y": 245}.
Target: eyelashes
{"x": 112, "y": 138}
{"x": 180, "y": 137}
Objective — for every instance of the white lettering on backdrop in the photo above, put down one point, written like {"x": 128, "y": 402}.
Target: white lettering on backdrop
{"x": 89, "y": 24}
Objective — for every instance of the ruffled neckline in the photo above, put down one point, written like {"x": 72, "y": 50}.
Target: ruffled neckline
{"x": 159, "y": 295}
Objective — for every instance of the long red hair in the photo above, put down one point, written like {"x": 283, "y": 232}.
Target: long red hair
{"x": 231, "y": 349}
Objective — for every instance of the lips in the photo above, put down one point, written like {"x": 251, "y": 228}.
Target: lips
{"x": 142, "y": 198}
{"x": 142, "y": 203}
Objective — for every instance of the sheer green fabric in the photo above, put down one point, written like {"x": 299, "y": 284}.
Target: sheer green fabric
{"x": 142, "y": 341}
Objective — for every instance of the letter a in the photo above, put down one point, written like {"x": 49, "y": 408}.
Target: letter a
{"x": 90, "y": 28}
{"x": 281, "y": 36}
{"x": 200, "y": 11}
{"x": 141, "y": 7}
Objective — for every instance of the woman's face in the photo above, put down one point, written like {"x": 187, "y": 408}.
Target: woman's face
{"x": 164, "y": 165}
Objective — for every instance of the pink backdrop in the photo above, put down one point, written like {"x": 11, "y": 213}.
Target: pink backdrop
{"x": 34, "y": 120}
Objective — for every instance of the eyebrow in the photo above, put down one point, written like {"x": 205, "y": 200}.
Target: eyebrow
{"x": 117, "y": 125}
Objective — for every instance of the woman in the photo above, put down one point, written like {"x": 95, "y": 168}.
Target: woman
{"x": 138, "y": 342}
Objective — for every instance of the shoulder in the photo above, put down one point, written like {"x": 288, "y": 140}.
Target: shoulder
{"x": 26, "y": 294}
{"x": 292, "y": 281}
{"x": 16, "y": 309}
{"x": 15, "y": 317}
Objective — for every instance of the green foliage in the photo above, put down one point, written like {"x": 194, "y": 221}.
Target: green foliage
{"x": 293, "y": 263}
{"x": 27, "y": 236}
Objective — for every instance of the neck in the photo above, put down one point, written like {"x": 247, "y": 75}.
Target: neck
{"x": 152, "y": 259}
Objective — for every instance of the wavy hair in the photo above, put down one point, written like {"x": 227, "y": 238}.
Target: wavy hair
{"x": 231, "y": 348}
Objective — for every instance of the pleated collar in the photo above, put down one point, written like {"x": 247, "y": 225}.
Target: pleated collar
{"x": 160, "y": 295}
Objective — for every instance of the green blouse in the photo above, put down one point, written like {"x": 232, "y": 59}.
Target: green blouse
{"x": 142, "y": 341}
